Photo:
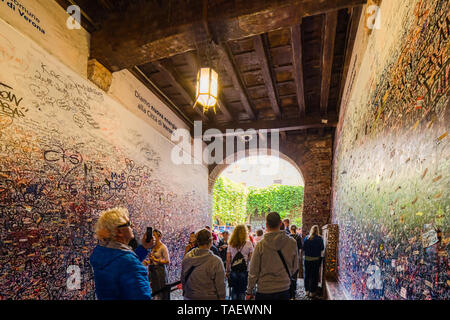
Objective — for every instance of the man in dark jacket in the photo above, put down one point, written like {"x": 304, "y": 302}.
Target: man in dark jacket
{"x": 223, "y": 246}
{"x": 118, "y": 271}
{"x": 286, "y": 223}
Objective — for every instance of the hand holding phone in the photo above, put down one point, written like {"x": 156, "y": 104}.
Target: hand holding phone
{"x": 149, "y": 234}
{"x": 147, "y": 239}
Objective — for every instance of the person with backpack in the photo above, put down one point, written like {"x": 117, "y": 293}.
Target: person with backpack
{"x": 239, "y": 253}
{"x": 202, "y": 272}
{"x": 274, "y": 264}
{"x": 312, "y": 247}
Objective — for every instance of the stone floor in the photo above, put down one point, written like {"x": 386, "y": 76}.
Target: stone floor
{"x": 301, "y": 294}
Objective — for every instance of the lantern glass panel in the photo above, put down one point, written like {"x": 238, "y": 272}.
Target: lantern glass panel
{"x": 207, "y": 87}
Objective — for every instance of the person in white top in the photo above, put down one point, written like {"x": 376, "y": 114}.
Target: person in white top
{"x": 239, "y": 254}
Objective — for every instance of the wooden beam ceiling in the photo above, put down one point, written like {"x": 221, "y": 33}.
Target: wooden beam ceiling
{"x": 151, "y": 32}
{"x": 329, "y": 35}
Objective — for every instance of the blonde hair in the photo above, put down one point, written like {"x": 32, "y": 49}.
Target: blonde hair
{"x": 239, "y": 236}
{"x": 315, "y": 231}
{"x": 106, "y": 227}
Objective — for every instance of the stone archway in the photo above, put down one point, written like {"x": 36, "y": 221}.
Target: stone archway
{"x": 312, "y": 156}
{"x": 218, "y": 169}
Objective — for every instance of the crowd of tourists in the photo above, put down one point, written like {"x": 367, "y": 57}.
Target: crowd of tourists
{"x": 260, "y": 266}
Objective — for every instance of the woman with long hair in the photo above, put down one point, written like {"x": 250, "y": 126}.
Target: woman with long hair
{"x": 312, "y": 248}
{"x": 239, "y": 253}
{"x": 158, "y": 260}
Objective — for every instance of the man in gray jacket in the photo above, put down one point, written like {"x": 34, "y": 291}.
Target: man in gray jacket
{"x": 266, "y": 268}
{"x": 202, "y": 272}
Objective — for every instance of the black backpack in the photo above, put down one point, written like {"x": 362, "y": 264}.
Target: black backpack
{"x": 238, "y": 264}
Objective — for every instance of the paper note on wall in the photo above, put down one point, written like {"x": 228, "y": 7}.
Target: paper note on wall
{"x": 429, "y": 238}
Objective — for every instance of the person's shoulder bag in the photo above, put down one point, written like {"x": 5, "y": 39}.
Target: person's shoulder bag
{"x": 293, "y": 278}
{"x": 188, "y": 274}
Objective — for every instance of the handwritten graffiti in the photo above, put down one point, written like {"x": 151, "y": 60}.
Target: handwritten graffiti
{"x": 59, "y": 168}
{"x": 391, "y": 183}
{"x": 10, "y": 107}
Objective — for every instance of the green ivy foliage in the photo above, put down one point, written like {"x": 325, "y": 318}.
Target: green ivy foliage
{"x": 229, "y": 202}
{"x": 233, "y": 203}
{"x": 286, "y": 200}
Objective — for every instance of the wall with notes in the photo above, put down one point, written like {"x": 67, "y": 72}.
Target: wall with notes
{"x": 68, "y": 151}
{"x": 392, "y": 159}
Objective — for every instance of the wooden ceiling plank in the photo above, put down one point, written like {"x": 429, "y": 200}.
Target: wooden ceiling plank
{"x": 228, "y": 62}
{"x": 296, "y": 40}
{"x": 328, "y": 37}
{"x": 261, "y": 44}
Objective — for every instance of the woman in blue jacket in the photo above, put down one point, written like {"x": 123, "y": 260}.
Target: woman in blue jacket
{"x": 312, "y": 248}
{"x": 118, "y": 271}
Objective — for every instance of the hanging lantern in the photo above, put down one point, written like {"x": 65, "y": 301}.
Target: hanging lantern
{"x": 207, "y": 88}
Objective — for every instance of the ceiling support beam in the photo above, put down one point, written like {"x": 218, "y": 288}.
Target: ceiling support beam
{"x": 328, "y": 38}
{"x": 296, "y": 40}
{"x": 351, "y": 36}
{"x": 261, "y": 45}
{"x": 227, "y": 59}
{"x": 169, "y": 71}
{"x": 314, "y": 121}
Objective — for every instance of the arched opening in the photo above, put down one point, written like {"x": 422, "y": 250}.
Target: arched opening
{"x": 255, "y": 183}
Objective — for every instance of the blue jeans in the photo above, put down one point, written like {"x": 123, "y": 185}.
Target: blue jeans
{"x": 284, "y": 295}
{"x": 238, "y": 284}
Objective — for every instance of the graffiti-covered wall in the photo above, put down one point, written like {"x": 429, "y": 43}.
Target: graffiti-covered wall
{"x": 68, "y": 151}
{"x": 391, "y": 165}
